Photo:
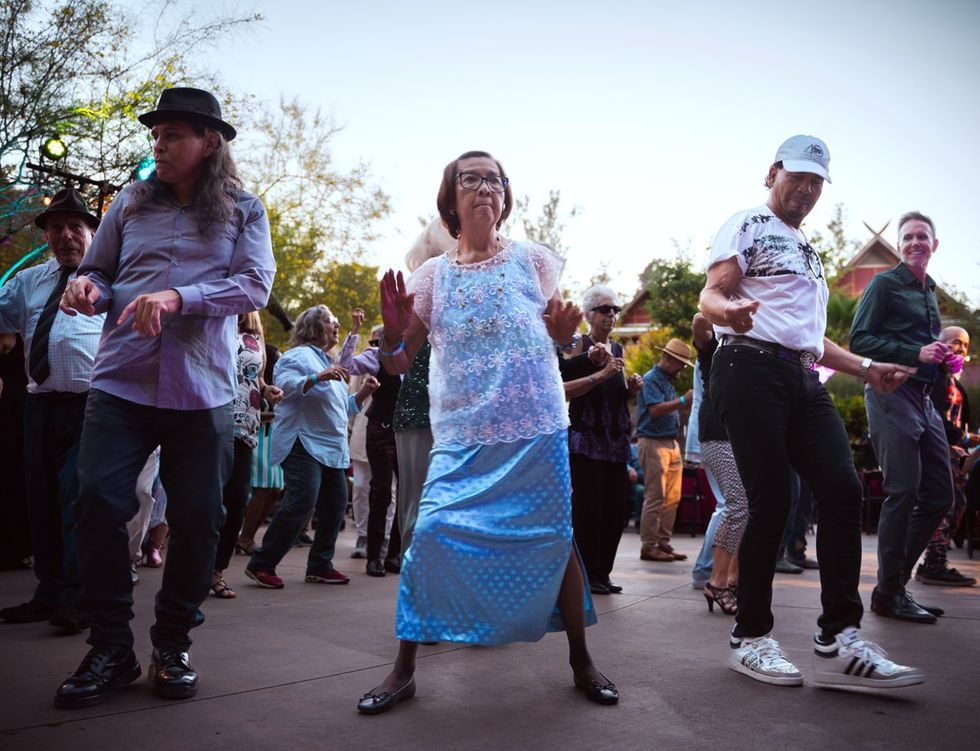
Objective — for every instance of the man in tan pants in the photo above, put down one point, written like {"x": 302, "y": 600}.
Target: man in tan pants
{"x": 657, "y": 426}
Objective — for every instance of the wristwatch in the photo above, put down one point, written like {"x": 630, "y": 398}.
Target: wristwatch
{"x": 865, "y": 367}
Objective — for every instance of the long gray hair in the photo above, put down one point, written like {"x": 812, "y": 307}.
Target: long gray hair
{"x": 216, "y": 196}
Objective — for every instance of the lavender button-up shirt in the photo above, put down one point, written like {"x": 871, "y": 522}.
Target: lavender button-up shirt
{"x": 191, "y": 364}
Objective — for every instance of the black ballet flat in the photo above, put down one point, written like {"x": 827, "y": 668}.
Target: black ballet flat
{"x": 600, "y": 693}
{"x": 376, "y": 702}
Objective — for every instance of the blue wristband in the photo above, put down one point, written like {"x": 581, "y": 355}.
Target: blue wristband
{"x": 396, "y": 350}
{"x": 682, "y": 400}
{"x": 313, "y": 378}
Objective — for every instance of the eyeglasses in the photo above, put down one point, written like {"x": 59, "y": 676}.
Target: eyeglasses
{"x": 374, "y": 342}
{"x": 472, "y": 181}
{"x": 607, "y": 309}
{"x": 812, "y": 261}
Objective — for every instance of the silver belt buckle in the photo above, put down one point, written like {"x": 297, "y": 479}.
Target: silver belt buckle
{"x": 807, "y": 359}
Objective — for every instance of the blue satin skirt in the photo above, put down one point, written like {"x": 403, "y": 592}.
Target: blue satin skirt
{"x": 490, "y": 547}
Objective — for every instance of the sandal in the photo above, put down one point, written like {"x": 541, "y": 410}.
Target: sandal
{"x": 724, "y": 596}
{"x": 221, "y": 589}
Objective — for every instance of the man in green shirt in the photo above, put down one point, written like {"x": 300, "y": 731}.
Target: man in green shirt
{"x": 897, "y": 321}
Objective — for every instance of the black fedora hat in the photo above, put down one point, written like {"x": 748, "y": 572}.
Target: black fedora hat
{"x": 66, "y": 201}
{"x": 185, "y": 103}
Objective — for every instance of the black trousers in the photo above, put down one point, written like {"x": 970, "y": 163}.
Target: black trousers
{"x": 779, "y": 418}
{"x": 383, "y": 458}
{"x": 195, "y": 457}
{"x": 599, "y": 512}
{"x": 52, "y": 431}
{"x": 234, "y": 499}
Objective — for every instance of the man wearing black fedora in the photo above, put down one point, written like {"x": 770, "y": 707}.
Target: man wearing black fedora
{"x": 177, "y": 257}
{"x": 59, "y": 352}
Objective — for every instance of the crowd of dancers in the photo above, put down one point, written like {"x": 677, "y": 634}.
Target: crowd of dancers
{"x": 506, "y": 433}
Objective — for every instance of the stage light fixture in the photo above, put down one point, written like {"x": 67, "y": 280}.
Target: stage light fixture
{"x": 54, "y": 149}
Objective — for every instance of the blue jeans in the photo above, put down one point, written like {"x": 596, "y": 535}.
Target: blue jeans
{"x": 308, "y": 484}
{"x": 704, "y": 563}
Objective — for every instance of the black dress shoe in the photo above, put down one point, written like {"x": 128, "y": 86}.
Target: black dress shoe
{"x": 598, "y": 588}
{"x": 103, "y": 670}
{"x": 27, "y": 612}
{"x": 70, "y": 619}
{"x": 393, "y": 565}
{"x": 597, "y": 691}
{"x": 375, "y": 567}
{"x": 936, "y": 611}
{"x": 171, "y": 674}
{"x": 900, "y": 607}
{"x": 614, "y": 588}
{"x": 376, "y": 702}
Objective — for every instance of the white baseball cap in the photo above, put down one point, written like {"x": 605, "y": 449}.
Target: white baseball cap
{"x": 805, "y": 154}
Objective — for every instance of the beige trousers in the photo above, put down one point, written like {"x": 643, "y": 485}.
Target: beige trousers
{"x": 662, "y": 469}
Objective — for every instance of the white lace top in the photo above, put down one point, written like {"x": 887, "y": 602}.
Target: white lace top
{"x": 494, "y": 374}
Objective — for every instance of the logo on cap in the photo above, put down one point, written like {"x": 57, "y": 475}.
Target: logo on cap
{"x": 814, "y": 151}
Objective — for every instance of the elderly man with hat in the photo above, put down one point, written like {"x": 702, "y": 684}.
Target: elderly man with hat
{"x": 176, "y": 259}
{"x": 767, "y": 297}
{"x": 657, "y": 427}
{"x": 59, "y": 352}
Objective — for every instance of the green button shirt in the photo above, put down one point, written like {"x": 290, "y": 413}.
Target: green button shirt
{"x": 896, "y": 318}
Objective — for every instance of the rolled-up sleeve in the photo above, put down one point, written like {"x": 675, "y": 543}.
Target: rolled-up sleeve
{"x": 250, "y": 277}
{"x": 13, "y": 308}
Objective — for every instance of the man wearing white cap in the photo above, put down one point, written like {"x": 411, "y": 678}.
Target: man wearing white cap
{"x": 767, "y": 298}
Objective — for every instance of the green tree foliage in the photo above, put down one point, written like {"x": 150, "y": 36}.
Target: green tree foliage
{"x": 832, "y": 244}
{"x": 840, "y": 315}
{"x": 674, "y": 288}
{"x": 322, "y": 218}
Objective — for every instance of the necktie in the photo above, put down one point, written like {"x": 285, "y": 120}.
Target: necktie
{"x": 37, "y": 363}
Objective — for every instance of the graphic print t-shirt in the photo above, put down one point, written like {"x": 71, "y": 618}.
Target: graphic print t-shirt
{"x": 783, "y": 272}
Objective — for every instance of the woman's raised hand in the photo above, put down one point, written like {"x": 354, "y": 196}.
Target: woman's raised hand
{"x": 396, "y": 305}
{"x": 562, "y": 320}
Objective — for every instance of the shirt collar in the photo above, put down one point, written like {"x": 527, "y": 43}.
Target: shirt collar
{"x": 909, "y": 278}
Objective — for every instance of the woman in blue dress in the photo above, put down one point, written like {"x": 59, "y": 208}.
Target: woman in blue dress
{"x": 492, "y": 559}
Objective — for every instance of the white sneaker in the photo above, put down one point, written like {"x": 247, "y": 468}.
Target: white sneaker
{"x": 849, "y": 660}
{"x": 762, "y": 659}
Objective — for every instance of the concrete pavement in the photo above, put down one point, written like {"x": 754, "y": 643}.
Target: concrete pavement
{"x": 285, "y": 669}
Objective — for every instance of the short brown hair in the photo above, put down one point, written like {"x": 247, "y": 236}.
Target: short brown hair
{"x": 446, "y": 200}
{"x": 915, "y": 216}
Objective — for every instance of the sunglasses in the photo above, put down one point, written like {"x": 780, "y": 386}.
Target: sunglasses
{"x": 607, "y": 309}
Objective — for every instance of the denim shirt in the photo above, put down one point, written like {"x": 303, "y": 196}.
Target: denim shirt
{"x": 657, "y": 388}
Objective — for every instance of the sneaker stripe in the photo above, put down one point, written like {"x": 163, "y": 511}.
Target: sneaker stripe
{"x": 853, "y": 664}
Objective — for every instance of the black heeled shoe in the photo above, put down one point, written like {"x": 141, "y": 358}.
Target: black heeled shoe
{"x": 724, "y": 596}
{"x": 376, "y": 702}
{"x": 600, "y": 693}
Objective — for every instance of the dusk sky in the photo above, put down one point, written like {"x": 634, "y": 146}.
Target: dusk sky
{"x": 657, "y": 120}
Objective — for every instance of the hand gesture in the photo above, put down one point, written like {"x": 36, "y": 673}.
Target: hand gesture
{"x": 357, "y": 318}
{"x": 933, "y": 353}
{"x": 80, "y": 295}
{"x": 634, "y": 383}
{"x": 334, "y": 373}
{"x": 599, "y": 354}
{"x": 689, "y": 398}
{"x": 397, "y": 305}
{"x": 613, "y": 366}
{"x": 885, "y": 377}
{"x": 272, "y": 394}
{"x": 561, "y": 319}
{"x": 368, "y": 386}
{"x": 146, "y": 310}
{"x": 738, "y": 315}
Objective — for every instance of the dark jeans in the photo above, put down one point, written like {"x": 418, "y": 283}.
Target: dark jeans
{"x": 599, "y": 511}
{"x": 911, "y": 446}
{"x": 383, "y": 458}
{"x": 779, "y": 419}
{"x": 195, "y": 456}
{"x": 309, "y": 485}
{"x": 52, "y": 431}
{"x": 800, "y": 516}
{"x": 234, "y": 499}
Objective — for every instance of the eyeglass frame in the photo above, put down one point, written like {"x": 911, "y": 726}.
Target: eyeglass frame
{"x": 810, "y": 254}
{"x": 504, "y": 181}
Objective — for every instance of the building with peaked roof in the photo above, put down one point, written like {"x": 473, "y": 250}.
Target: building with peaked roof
{"x": 876, "y": 256}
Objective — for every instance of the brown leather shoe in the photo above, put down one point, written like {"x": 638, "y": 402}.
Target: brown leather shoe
{"x": 657, "y": 555}
{"x": 669, "y": 549}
